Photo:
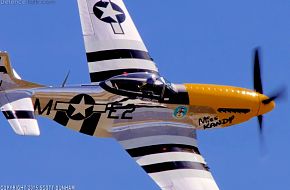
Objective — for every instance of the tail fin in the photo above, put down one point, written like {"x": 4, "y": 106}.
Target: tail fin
{"x": 15, "y": 102}
{"x": 9, "y": 79}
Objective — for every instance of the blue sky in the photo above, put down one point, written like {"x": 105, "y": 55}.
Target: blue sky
{"x": 191, "y": 41}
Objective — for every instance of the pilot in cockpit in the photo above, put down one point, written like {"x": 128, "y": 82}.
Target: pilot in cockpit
{"x": 149, "y": 85}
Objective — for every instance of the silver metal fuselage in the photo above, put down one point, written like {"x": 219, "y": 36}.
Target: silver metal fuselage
{"x": 94, "y": 111}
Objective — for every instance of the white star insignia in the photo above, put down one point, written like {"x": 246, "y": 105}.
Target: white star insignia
{"x": 110, "y": 12}
{"x": 81, "y": 108}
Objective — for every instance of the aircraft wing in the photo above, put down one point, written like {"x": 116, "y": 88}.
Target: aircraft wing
{"x": 112, "y": 42}
{"x": 168, "y": 152}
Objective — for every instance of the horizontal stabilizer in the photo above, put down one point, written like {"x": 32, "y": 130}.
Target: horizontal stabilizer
{"x": 18, "y": 109}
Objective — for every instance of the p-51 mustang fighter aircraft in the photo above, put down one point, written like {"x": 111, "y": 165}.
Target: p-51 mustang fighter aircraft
{"x": 127, "y": 99}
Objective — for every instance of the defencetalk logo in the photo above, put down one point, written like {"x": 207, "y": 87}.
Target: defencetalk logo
{"x": 110, "y": 13}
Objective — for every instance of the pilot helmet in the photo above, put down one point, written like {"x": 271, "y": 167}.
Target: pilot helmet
{"x": 151, "y": 80}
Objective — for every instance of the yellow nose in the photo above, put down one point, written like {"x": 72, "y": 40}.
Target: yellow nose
{"x": 265, "y": 108}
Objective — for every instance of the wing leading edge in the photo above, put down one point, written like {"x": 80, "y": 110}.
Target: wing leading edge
{"x": 113, "y": 44}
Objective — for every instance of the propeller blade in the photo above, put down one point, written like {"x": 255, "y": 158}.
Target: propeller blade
{"x": 260, "y": 120}
{"x": 257, "y": 72}
{"x": 258, "y": 87}
{"x": 262, "y": 142}
{"x": 280, "y": 94}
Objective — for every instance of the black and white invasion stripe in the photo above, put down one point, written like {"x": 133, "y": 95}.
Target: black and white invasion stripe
{"x": 108, "y": 63}
{"x": 18, "y": 110}
{"x": 163, "y": 154}
{"x": 18, "y": 114}
{"x": 162, "y": 148}
{"x": 168, "y": 153}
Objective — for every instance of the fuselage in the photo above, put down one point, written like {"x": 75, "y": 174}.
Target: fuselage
{"x": 96, "y": 110}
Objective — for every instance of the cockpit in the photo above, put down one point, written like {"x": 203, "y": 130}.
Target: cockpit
{"x": 139, "y": 85}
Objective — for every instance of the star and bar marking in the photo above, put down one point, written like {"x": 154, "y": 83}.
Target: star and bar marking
{"x": 80, "y": 107}
{"x": 110, "y": 13}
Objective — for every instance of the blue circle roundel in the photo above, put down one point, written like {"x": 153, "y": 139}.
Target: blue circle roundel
{"x": 109, "y": 12}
